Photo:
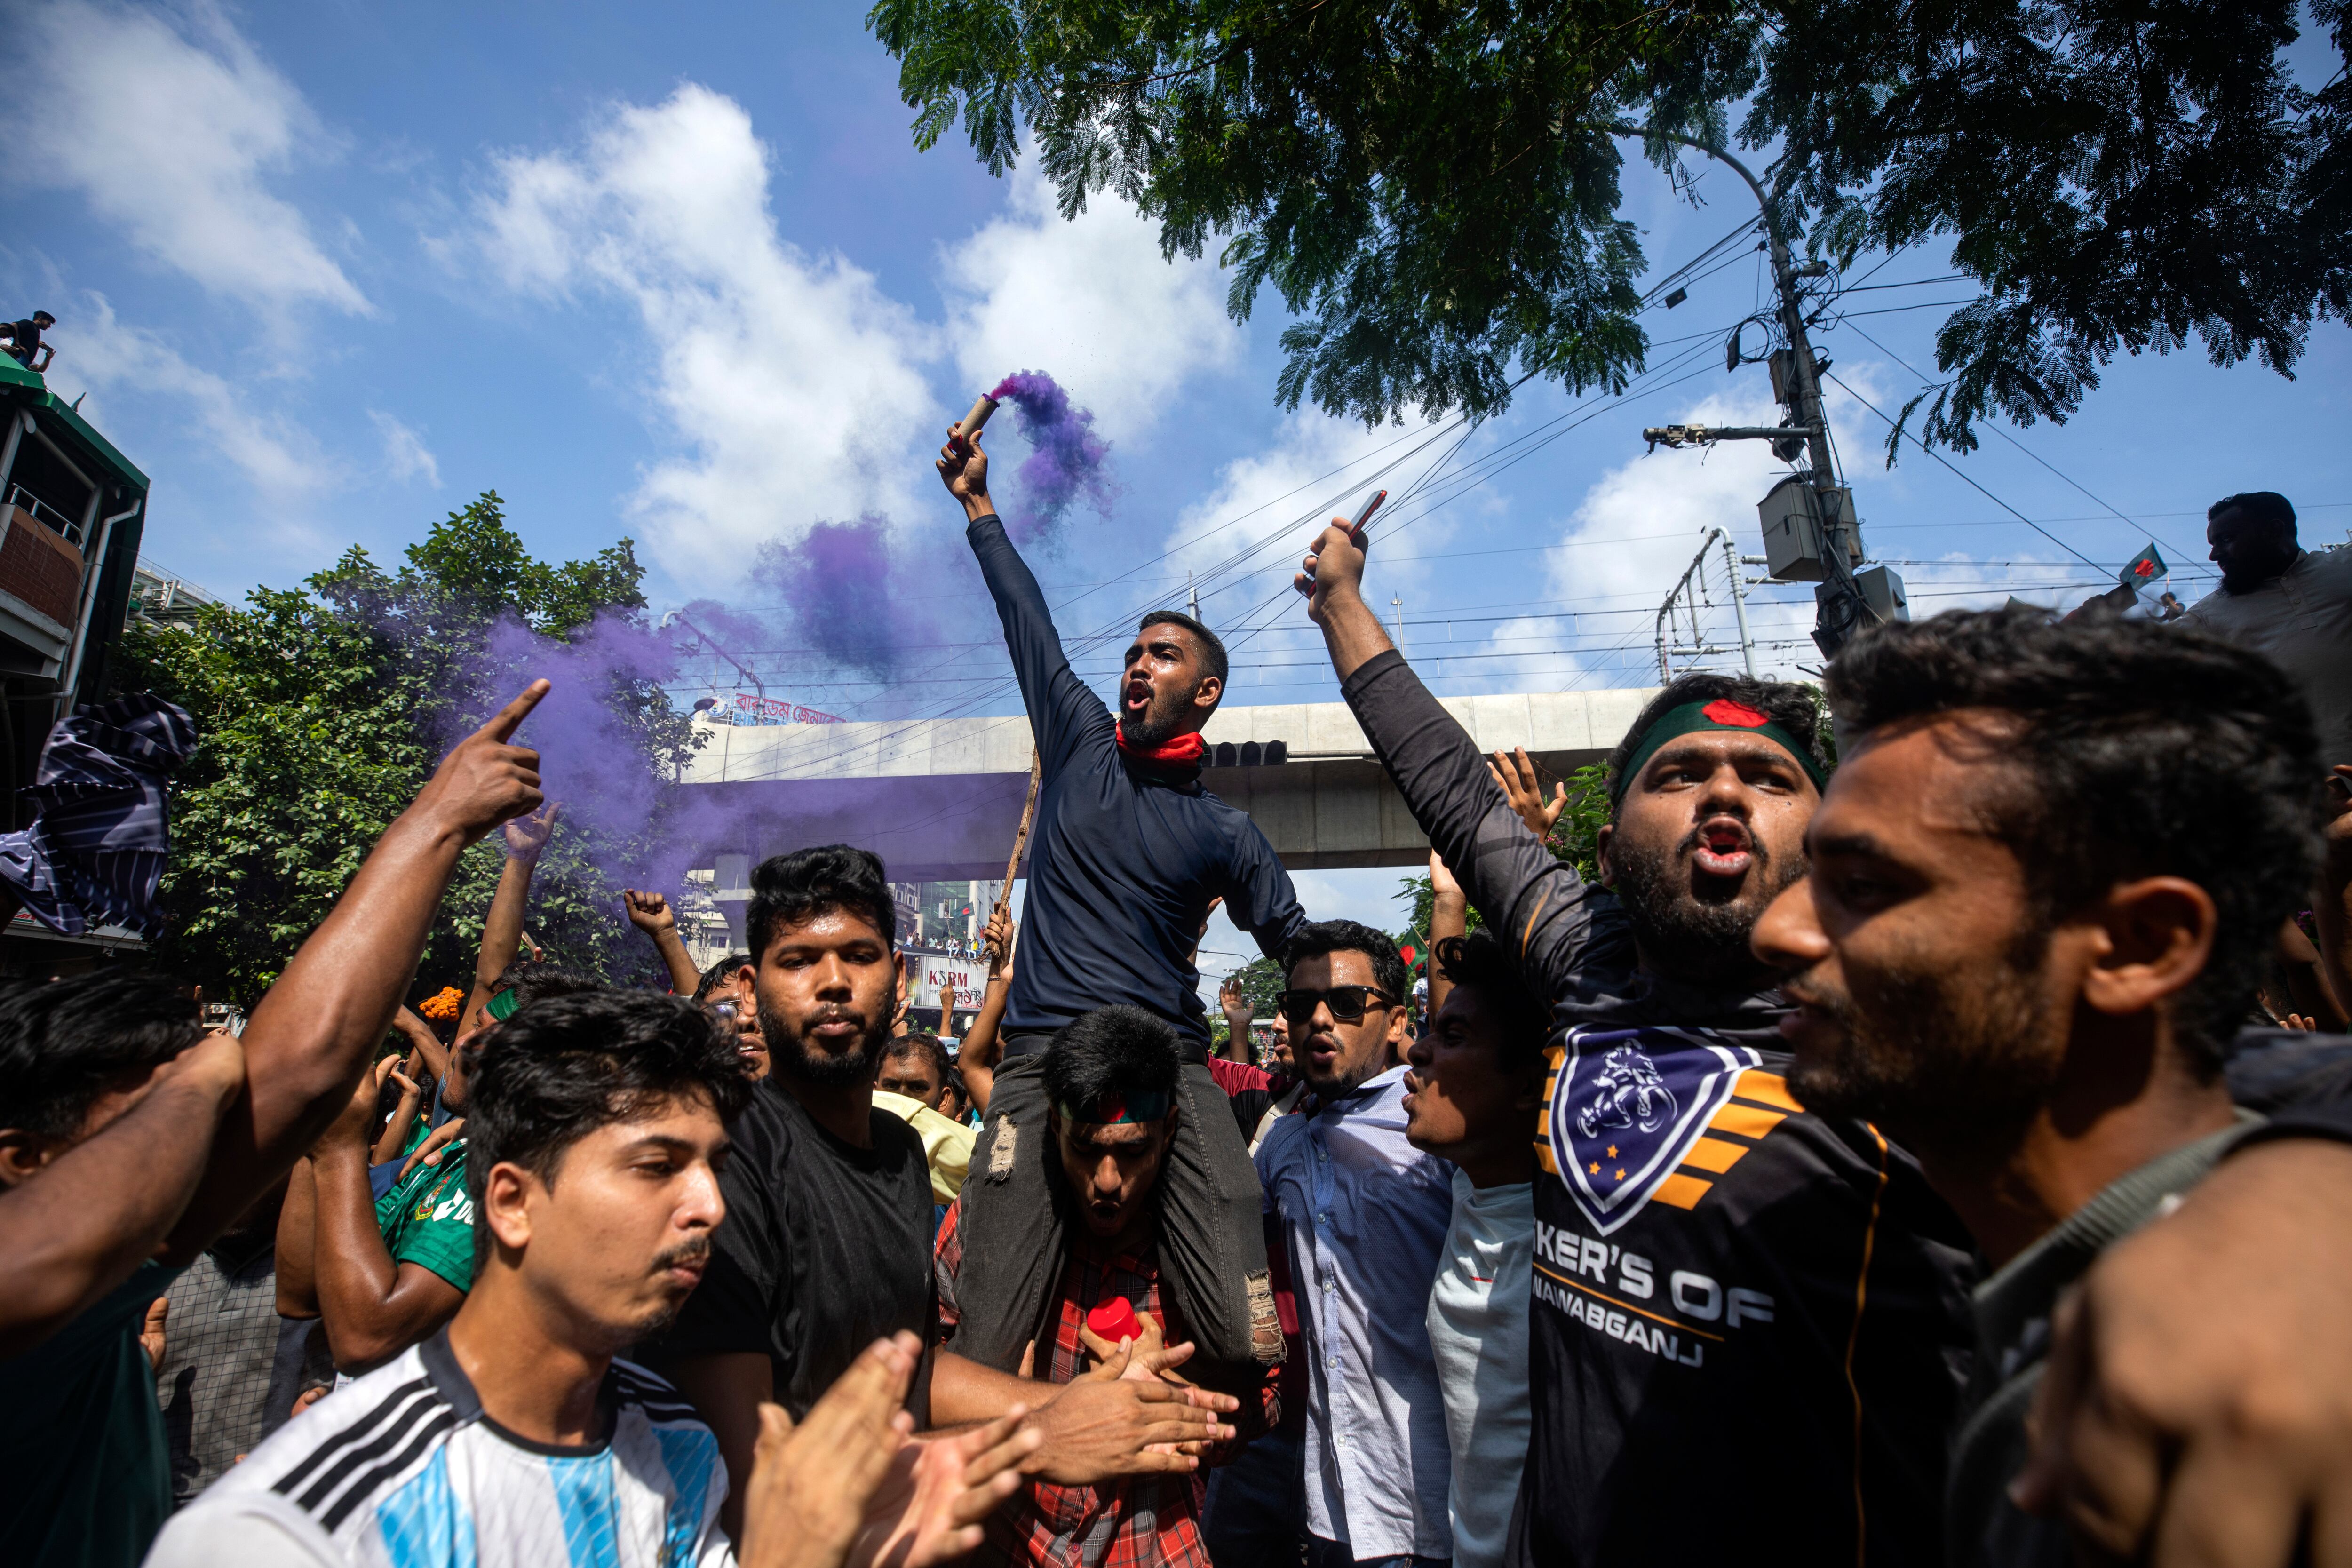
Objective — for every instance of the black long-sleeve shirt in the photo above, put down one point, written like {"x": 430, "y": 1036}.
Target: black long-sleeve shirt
{"x": 1749, "y": 1324}
{"x": 1124, "y": 860}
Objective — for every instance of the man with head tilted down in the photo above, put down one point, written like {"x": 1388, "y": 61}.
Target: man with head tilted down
{"x": 1744, "y": 1316}
{"x": 1128, "y": 856}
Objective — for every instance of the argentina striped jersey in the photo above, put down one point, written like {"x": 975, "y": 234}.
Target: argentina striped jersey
{"x": 403, "y": 1470}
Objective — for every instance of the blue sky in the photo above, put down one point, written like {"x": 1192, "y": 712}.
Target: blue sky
{"x": 326, "y": 272}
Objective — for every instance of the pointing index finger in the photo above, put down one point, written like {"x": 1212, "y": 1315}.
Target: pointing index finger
{"x": 506, "y": 720}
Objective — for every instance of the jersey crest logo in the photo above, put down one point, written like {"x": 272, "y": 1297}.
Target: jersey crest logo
{"x": 1631, "y": 1093}
{"x": 1626, "y": 1105}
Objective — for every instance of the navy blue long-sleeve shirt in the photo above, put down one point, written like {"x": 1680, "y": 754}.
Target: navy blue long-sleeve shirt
{"x": 1124, "y": 860}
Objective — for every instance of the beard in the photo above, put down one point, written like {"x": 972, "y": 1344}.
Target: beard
{"x": 1151, "y": 727}
{"x": 1157, "y": 724}
{"x": 791, "y": 1053}
{"x": 1939, "y": 1058}
{"x": 1691, "y": 936}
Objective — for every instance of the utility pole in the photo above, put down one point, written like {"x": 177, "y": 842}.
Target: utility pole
{"x": 1192, "y": 598}
{"x": 1397, "y": 603}
{"x": 1843, "y": 610}
{"x": 746, "y": 671}
{"x": 1739, "y": 602}
{"x": 1688, "y": 591}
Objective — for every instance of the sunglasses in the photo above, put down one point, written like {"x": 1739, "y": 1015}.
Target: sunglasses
{"x": 1348, "y": 1004}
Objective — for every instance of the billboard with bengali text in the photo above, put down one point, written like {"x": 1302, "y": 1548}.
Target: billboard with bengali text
{"x": 747, "y": 708}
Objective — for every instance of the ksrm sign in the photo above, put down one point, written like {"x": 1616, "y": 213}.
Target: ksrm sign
{"x": 927, "y": 972}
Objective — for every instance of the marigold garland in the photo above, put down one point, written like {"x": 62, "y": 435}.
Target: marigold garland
{"x": 443, "y": 1005}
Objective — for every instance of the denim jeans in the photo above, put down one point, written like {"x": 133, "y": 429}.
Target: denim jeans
{"x": 1211, "y": 1240}
{"x": 1257, "y": 1514}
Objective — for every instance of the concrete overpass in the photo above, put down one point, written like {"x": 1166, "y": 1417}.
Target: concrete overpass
{"x": 940, "y": 799}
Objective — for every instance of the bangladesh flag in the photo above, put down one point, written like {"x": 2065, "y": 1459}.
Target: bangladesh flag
{"x": 2144, "y": 568}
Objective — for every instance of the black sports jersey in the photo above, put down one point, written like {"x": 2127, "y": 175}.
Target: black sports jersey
{"x": 1751, "y": 1324}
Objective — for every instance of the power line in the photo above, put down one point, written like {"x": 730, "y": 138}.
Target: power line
{"x": 1996, "y": 501}
{"x": 2030, "y": 452}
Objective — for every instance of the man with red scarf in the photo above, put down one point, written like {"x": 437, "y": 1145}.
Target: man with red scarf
{"x": 1128, "y": 855}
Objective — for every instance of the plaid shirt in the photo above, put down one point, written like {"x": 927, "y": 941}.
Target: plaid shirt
{"x": 1139, "y": 1522}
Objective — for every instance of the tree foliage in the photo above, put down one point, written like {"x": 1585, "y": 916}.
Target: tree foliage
{"x": 322, "y": 710}
{"x": 1434, "y": 187}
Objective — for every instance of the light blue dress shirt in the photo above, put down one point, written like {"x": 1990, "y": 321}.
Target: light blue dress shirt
{"x": 1366, "y": 1214}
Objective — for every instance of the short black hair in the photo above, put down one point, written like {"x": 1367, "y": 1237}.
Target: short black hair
{"x": 535, "y": 980}
{"x": 1319, "y": 937}
{"x": 1522, "y": 1023}
{"x": 1796, "y": 708}
{"x": 1117, "y": 1051}
{"x": 569, "y": 1064}
{"x": 2262, "y": 505}
{"x": 43, "y": 319}
{"x": 63, "y": 1043}
{"x": 918, "y": 1043}
{"x": 2150, "y": 751}
{"x": 789, "y": 888}
{"x": 719, "y": 973}
{"x": 1212, "y": 648}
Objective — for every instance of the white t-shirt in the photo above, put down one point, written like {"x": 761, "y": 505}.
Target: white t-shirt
{"x": 2302, "y": 620}
{"x": 401, "y": 1470}
{"x": 1478, "y": 1332}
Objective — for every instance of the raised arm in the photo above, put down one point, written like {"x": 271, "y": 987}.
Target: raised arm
{"x": 984, "y": 1045}
{"x": 1547, "y": 917}
{"x": 502, "y": 927}
{"x": 101, "y": 1208}
{"x": 651, "y": 913}
{"x": 424, "y": 1043}
{"x": 1449, "y": 916}
{"x": 298, "y": 1235}
{"x": 395, "y": 1136}
{"x": 1234, "y": 1003}
{"x": 1062, "y": 713}
{"x": 374, "y": 1308}
{"x": 311, "y": 1036}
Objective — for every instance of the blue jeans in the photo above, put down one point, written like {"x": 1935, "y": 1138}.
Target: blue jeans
{"x": 1257, "y": 1514}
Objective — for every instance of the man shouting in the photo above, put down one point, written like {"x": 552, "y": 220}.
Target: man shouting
{"x": 1744, "y": 1315}
{"x": 1128, "y": 856}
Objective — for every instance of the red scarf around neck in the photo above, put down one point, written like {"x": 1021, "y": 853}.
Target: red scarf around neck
{"x": 1184, "y": 751}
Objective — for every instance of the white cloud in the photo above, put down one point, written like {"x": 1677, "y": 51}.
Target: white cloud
{"x": 1266, "y": 507}
{"x": 1090, "y": 302}
{"x": 406, "y": 455}
{"x": 1636, "y": 529}
{"x": 99, "y": 355}
{"x": 1627, "y": 543}
{"x": 792, "y": 379}
{"x": 169, "y": 131}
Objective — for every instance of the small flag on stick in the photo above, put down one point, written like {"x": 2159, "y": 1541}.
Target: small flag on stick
{"x": 2143, "y": 569}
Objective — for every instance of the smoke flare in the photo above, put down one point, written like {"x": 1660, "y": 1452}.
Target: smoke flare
{"x": 1066, "y": 459}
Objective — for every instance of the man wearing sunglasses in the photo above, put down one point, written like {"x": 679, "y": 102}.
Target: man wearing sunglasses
{"x": 1366, "y": 1214}
{"x": 1741, "y": 1312}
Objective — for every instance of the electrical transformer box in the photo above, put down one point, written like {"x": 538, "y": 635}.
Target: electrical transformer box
{"x": 1882, "y": 590}
{"x": 1792, "y": 533}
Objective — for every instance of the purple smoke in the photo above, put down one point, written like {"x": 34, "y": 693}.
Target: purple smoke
{"x": 1067, "y": 458}
{"x": 836, "y": 582}
{"x": 587, "y": 753}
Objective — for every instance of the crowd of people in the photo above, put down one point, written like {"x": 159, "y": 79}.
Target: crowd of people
{"x": 1842, "y": 1175}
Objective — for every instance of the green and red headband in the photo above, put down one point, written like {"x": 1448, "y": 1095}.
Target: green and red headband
{"x": 1723, "y": 713}
{"x": 1113, "y": 1108}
